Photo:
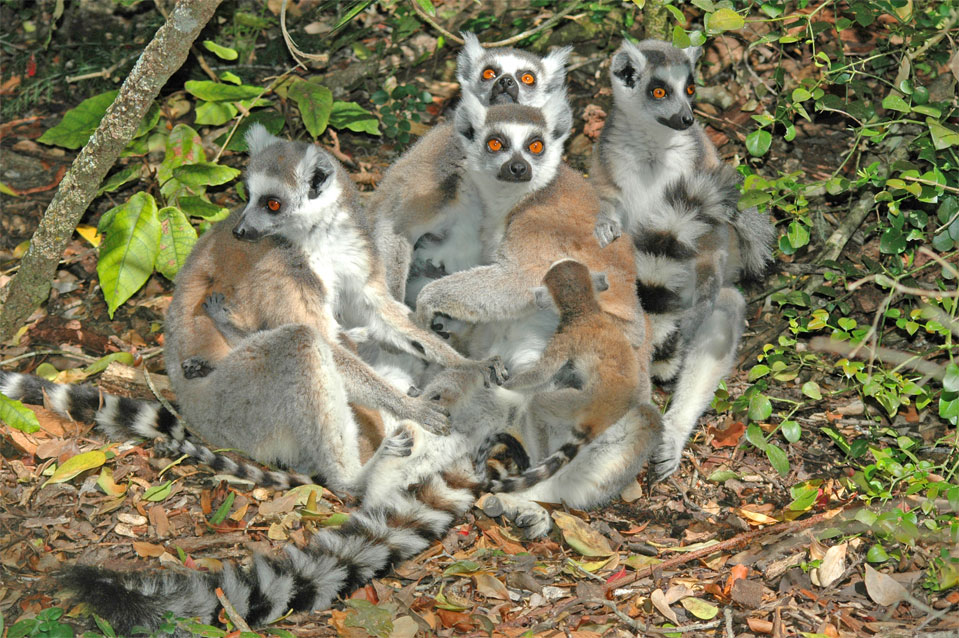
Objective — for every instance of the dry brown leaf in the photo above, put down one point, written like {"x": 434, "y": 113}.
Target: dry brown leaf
{"x": 632, "y": 492}
{"x": 883, "y": 588}
{"x": 148, "y": 550}
{"x": 677, "y": 593}
{"x": 490, "y": 586}
{"x": 759, "y": 625}
{"x": 658, "y": 598}
{"x": 832, "y": 566}
{"x": 404, "y": 627}
{"x": 728, "y": 436}
{"x": 756, "y": 518}
{"x": 580, "y": 536}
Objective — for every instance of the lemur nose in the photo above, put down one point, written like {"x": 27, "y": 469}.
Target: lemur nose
{"x": 507, "y": 82}
{"x": 518, "y": 169}
{"x": 239, "y": 232}
{"x": 687, "y": 120}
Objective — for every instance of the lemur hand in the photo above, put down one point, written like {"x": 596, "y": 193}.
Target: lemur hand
{"x": 607, "y": 230}
{"x": 430, "y": 414}
{"x": 494, "y": 371}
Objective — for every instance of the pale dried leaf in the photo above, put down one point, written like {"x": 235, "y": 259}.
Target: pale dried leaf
{"x": 832, "y": 567}
{"x": 659, "y": 602}
{"x": 883, "y": 588}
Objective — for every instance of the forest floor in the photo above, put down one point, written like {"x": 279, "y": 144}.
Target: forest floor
{"x": 775, "y": 570}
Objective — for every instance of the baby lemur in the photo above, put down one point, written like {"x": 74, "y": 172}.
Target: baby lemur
{"x": 587, "y": 375}
{"x": 661, "y": 181}
{"x": 426, "y": 199}
{"x": 541, "y": 212}
{"x": 253, "y": 335}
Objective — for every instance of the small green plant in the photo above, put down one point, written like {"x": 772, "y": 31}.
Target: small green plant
{"x": 46, "y": 625}
{"x": 398, "y": 108}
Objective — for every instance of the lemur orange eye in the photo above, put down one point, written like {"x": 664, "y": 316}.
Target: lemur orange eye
{"x": 659, "y": 93}
{"x": 536, "y": 147}
{"x": 690, "y": 89}
{"x": 494, "y": 144}
{"x": 528, "y": 79}
{"x": 273, "y": 204}
{"x": 489, "y": 74}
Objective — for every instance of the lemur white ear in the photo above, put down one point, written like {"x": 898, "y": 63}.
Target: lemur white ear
{"x": 554, "y": 65}
{"x": 323, "y": 170}
{"x": 468, "y": 57}
{"x": 692, "y": 54}
{"x": 542, "y": 298}
{"x": 258, "y": 138}
{"x": 628, "y": 62}
{"x": 469, "y": 115}
{"x": 600, "y": 282}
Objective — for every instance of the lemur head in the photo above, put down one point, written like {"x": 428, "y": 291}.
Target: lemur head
{"x": 291, "y": 186}
{"x": 510, "y": 76}
{"x": 570, "y": 288}
{"x": 514, "y": 147}
{"x": 654, "y": 80}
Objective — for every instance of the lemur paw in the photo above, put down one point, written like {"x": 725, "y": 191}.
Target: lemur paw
{"x": 607, "y": 230}
{"x": 196, "y": 367}
{"x": 429, "y": 414}
{"x": 532, "y": 519}
{"x": 439, "y": 325}
{"x": 215, "y": 307}
{"x": 664, "y": 461}
{"x": 400, "y": 443}
{"x": 413, "y": 391}
{"x": 494, "y": 371}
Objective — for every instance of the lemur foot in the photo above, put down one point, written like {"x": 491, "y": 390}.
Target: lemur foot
{"x": 196, "y": 367}
{"x": 431, "y": 415}
{"x": 216, "y": 308}
{"x": 439, "y": 325}
{"x": 449, "y": 386}
{"x": 607, "y": 230}
{"x": 494, "y": 371}
{"x": 665, "y": 459}
{"x": 532, "y": 519}
{"x": 400, "y": 443}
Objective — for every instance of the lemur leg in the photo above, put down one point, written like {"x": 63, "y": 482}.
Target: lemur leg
{"x": 479, "y": 295}
{"x": 285, "y": 402}
{"x": 602, "y": 468}
{"x": 709, "y": 357}
{"x": 398, "y": 445}
{"x": 396, "y": 254}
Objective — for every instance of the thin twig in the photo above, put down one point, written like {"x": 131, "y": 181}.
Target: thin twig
{"x": 102, "y": 73}
{"x": 729, "y": 622}
{"x": 322, "y": 58}
{"x": 159, "y": 397}
{"x": 425, "y": 17}
{"x": 37, "y": 353}
{"x": 231, "y": 612}
{"x": 884, "y": 280}
{"x": 886, "y": 355}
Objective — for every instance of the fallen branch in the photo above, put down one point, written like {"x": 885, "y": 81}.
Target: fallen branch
{"x": 885, "y": 355}
{"x": 790, "y": 527}
{"x": 231, "y": 612}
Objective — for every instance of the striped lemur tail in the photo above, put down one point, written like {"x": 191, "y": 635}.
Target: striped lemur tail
{"x": 123, "y": 418}
{"x": 650, "y": 423}
{"x": 334, "y": 563}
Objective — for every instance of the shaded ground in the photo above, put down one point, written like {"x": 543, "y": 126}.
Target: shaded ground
{"x": 588, "y": 578}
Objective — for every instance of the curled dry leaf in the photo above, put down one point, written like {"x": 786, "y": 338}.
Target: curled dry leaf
{"x": 883, "y": 588}
{"x": 832, "y": 566}
{"x": 658, "y": 598}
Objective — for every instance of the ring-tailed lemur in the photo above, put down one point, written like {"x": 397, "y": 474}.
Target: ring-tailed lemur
{"x": 587, "y": 375}
{"x": 279, "y": 387}
{"x": 662, "y": 182}
{"x": 426, "y": 200}
{"x": 421, "y": 484}
{"x": 541, "y": 212}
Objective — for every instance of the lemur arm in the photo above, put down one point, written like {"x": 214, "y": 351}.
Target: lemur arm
{"x": 541, "y": 373}
{"x": 609, "y": 221}
{"x": 219, "y": 313}
{"x": 396, "y": 253}
{"x": 479, "y": 295}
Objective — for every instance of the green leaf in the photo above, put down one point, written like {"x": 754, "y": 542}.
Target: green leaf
{"x": 950, "y": 382}
{"x": 16, "y": 415}
{"x": 759, "y": 408}
{"x": 376, "y": 621}
{"x": 892, "y": 241}
{"x": 757, "y": 142}
{"x": 877, "y": 554}
{"x": 352, "y": 13}
{"x": 129, "y": 249}
{"x": 272, "y": 120}
{"x": 800, "y": 94}
{"x": 183, "y": 146}
{"x": 315, "y": 103}
{"x": 462, "y": 567}
{"x": 721, "y": 476}
{"x": 893, "y": 102}
{"x": 804, "y": 496}
{"x": 204, "y": 174}
{"x": 177, "y": 237}
{"x": 797, "y": 234}
{"x": 215, "y": 113}
{"x": 157, "y": 493}
{"x": 754, "y": 434}
{"x": 778, "y": 459}
{"x": 699, "y": 608}
{"x": 222, "y": 52}
{"x": 232, "y": 78}
{"x": 791, "y": 430}
{"x": 218, "y": 92}
{"x": 724, "y": 20}
{"x": 942, "y": 137}
{"x": 119, "y": 178}
{"x": 354, "y": 117}
{"x": 77, "y": 465}
{"x": 758, "y": 371}
{"x": 811, "y": 390}
{"x": 220, "y": 514}
{"x": 196, "y": 206}
{"x": 753, "y": 198}
{"x": 427, "y": 6}
{"x": 79, "y": 123}
{"x": 103, "y": 362}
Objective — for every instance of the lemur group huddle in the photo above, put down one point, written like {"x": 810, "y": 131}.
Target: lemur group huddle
{"x": 291, "y": 335}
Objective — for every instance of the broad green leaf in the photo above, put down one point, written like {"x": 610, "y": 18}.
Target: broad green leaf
{"x": 79, "y": 123}
{"x": 129, "y": 249}
{"x": 315, "y": 103}
{"x": 76, "y": 465}
{"x": 800, "y": 94}
{"x": 16, "y": 415}
{"x": 892, "y": 241}
{"x": 177, "y": 237}
{"x": 811, "y": 390}
{"x": 220, "y": 514}
{"x": 950, "y": 382}
{"x": 893, "y": 102}
{"x": 427, "y": 6}
{"x": 119, "y": 178}
{"x": 218, "y": 92}
{"x": 804, "y": 496}
{"x": 778, "y": 459}
{"x": 183, "y": 146}
{"x": 724, "y": 20}
{"x": 759, "y": 408}
{"x": 791, "y": 430}
{"x": 758, "y": 371}
{"x": 101, "y": 364}
{"x": 215, "y": 113}
{"x": 757, "y": 142}
{"x": 462, "y": 567}
{"x": 375, "y": 621}
{"x": 272, "y": 120}
{"x": 877, "y": 554}
{"x": 699, "y": 608}
{"x": 196, "y": 206}
{"x": 222, "y": 52}
{"x": 157, "y": 493}
{"x": 721, "y": 476}
{"x": 942, "y": 137}
{"x": 204, "y": 174}
{"x": 753, "y": 198}
{"x": 354, "y": 117}
{"x": 754, "y": 434}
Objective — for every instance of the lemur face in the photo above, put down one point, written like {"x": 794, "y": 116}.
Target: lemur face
{"x": 291, "y": 186}
{"x": 510, "y": 76}
{"x": 654, "y": 80}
